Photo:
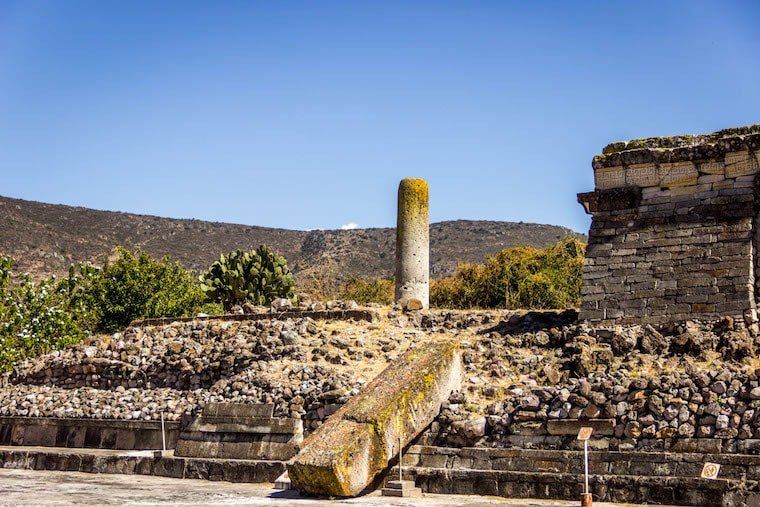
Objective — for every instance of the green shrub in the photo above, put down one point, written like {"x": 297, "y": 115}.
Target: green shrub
{"x": 136, "y": 286}
{"x": 36, "y": 318}
{"x": 374, "y": 291}
{"x": 522, "y": 277}
{"x": 259, "y": 277}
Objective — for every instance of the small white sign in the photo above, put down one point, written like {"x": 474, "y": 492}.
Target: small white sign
{"x": 710, "y": 471}
{"x": 585, "y": 433}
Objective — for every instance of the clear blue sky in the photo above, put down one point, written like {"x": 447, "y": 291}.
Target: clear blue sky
{"x": 307, "y": 114}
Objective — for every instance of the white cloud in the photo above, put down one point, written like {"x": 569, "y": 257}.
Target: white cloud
{"x": 349, "y": 226}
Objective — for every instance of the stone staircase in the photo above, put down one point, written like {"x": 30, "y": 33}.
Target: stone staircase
{"x": 615, "y": 476}
{"x": 240, "y": 431}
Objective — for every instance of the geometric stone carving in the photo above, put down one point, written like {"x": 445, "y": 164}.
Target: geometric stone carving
{"x": 678, "y": 174}
{"x": 642, "y": 175}
{"x": 609, "y": 177}
{"x": 711, "y": 167}
{"x": 740, "y": 163}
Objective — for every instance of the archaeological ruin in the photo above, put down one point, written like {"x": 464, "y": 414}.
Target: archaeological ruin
{"x": 413, "y": 244}
{"x": 674, "y": 232}
{"x": 660, "y": 365}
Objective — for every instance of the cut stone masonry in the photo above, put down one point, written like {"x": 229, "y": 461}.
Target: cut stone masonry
{"x": 674, "y": 231}
{"x": 240, "y": 431}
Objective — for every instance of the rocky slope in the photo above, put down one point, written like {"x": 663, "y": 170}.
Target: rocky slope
{"x": 48, "y": 238}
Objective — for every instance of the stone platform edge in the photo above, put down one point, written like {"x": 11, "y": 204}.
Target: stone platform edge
{"x": 161, "y": 464}
{"x": 358, "y": 315}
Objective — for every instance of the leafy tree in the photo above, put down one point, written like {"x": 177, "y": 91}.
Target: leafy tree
{"x": 136, "y": 286}
{"x": 36, "y": 318}
{"x": 259, "y": 277}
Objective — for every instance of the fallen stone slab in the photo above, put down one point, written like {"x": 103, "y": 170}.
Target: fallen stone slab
{"x": 344, "y": 455}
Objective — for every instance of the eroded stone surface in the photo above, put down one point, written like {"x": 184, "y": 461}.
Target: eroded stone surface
{"x": 413, "y": 242}
{"x": 673, "y": 230}
{"x": 343, "y": 456}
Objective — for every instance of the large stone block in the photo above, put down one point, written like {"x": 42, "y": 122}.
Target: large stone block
{"x": 678, "y": 174}
{"x": 642, "y": 175}
{"x": 740, "y": 163}
{"x": 344, "y": 455}
{"x": 609, "y": 177}
{"x": 712, "y": 167}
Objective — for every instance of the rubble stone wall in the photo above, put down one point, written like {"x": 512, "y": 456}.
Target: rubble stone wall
{"x": 673, "y": 233}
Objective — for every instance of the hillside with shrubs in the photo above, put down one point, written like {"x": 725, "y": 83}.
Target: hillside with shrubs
{"x": 45, "y": 239}
{"x": 37, "y": 317}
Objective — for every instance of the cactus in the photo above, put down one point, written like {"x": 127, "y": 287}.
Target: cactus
{"x": 257, "y": 277}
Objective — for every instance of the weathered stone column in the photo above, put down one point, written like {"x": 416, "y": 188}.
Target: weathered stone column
{"x": 413, "y": 242}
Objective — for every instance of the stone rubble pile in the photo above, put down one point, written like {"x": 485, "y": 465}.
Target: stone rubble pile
{"x": 307, "y": 370}
{"x": 679, "y": 382}
{"x": 693, "y": 380}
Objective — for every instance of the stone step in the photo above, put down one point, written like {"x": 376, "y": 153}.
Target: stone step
{"x": 268, "y": 426}
{"x": 635, "y": 489}
{"x": 240, "y": 431}
{"x": 139, "y": 463}
{"x": 283, "y": 482}
{"x": 238, "y": 410}
{"x": 87, "y": 433}
{"x": 405, "y": 489}
{"x": 733, "y": 466}
{"x": 281, "y": 451}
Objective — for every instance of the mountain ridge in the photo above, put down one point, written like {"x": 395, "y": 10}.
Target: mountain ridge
{"x": 45, "y": 239}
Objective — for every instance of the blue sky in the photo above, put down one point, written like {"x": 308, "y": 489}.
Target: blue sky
{"x": 307, "y": 114}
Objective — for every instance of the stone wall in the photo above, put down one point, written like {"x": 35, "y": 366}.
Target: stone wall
{"x": 673, "y": 234}
{"x": 87, "y": 433}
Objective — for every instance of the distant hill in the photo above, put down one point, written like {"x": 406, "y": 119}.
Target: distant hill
{"x": 47, "y": 238}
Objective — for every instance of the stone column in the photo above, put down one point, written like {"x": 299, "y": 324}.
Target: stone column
{"x": 413, "y": 243}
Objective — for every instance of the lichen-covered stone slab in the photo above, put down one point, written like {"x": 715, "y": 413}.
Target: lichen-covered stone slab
{"x": 344, "y": 455}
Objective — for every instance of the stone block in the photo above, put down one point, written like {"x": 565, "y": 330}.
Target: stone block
{"x": 405, "y": 489}
{"x": 710, "y": 178}
{"x": 125, "y": 439}
{"x": 211, "y": 409}
{"x": 699, "y": 445}
{"x": 677, "y": 174}
{"x": 609, "y": 177}
{"x": 346, "y": 453}
{"x": 280, "y": 451}
{"x": 642, "y": 175}
{"x": 235, "y": 450}
{"x": 711, "y": 167}
{"x": 572, "y": 426}
{"x": 249, "y": 425}
{"x": 740, "y": 163}
{"x": 239, "y": 410}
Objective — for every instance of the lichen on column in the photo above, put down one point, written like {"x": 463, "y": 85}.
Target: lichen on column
{"x": 413, "y": 242}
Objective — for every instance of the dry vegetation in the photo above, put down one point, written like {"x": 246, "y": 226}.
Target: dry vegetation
{"x": 47, "y": 238}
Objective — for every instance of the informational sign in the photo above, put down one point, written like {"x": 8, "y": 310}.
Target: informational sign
{"x": 585, "y": 433}
{"x": 710, "y": 471}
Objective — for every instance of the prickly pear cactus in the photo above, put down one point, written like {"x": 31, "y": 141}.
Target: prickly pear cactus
{"x": 257, "y": 277}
